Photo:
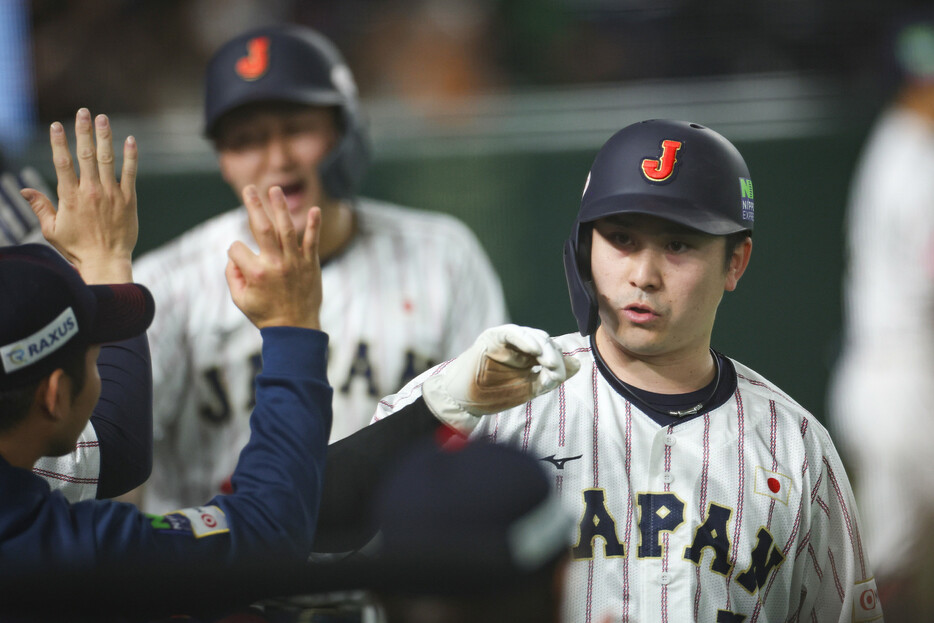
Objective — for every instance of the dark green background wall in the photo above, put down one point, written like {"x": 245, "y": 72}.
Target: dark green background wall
{"x": 783, "y": 320}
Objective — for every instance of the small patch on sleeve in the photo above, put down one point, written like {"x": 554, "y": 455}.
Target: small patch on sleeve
{"x": 198, "y": 522}
{"x": 866, "y": 606}
{"x": 772, "y": 484}
{"x": 170, "y": 524}
{"x": 205, "y": 520}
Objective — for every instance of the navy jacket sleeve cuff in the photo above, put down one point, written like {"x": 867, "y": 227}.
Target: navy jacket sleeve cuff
{"x": 283, "y": 354}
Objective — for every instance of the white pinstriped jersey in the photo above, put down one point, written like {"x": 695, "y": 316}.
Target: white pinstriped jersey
{"x": 741, "y": 514}
{"x": 413, "y": 288}
{"x": 76, "y": 474}
{"x": 881, "y": 393}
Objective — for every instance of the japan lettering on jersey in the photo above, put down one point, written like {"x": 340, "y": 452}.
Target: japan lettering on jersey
{"x": 412, "y": 288}
{"x": 741, "y": 514}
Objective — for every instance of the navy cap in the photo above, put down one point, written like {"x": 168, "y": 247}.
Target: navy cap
{"x": 47, "y": 313}
{"x": 279, "y": 63}
{"x": 676, "y": 170}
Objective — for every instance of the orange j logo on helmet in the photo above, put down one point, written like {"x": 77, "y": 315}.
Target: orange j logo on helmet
{"x": 256, "y": 61}
{"x": 661, "y": 169}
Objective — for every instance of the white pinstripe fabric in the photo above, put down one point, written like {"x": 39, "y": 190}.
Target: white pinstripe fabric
{"x": 712, "y": 459}
{"x": 75, "y": 474}
{"x": 881, "y": 394}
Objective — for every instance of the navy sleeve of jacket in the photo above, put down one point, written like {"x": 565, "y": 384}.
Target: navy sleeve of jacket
{"x": 122, "y": 418}
{"x": 272, "y": 512}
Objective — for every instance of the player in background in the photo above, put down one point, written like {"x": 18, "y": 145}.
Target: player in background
{"x": 113, "y": 454}
{"x": 403, "y": 289}
{"x": 701, "y": 491}
{"x": 881, "y": 396}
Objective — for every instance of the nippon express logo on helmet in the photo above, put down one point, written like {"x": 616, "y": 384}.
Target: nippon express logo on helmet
{"x": 745, "y": 194}
{"x": 40, "y": 344}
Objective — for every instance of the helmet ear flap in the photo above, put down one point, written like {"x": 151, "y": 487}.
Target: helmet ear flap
{"x": 343, "y": 169}
{"x": 584, "y": 243}
{"x": 580, "y": 281}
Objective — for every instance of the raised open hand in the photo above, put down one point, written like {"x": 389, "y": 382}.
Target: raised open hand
{"x": 280, "y": 286}
{"x": 95, "y": 225}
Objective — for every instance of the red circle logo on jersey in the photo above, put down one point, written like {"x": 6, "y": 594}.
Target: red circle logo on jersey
{"x": 774, "y": 485}
{"x": 867, "y": 600}
{"x": 208, "y": 520}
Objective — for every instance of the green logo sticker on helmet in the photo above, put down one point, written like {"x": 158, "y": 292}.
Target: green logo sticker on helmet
{"x": 746, "y": 196}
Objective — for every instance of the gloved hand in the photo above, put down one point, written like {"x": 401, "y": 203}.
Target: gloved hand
{"x": 507, "y": 366}
{"x": 18, "y": 223}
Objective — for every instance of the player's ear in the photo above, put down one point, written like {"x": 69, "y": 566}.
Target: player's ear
{"x": 53, "y": 395}
{"x": 739, "y": 260}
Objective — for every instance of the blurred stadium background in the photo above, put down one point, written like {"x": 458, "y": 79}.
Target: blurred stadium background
{"x": 493, "y": 109}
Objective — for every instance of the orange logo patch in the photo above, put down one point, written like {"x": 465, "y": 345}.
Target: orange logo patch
{"x": 660, "y": 169}
{"x": 256, "y": 61}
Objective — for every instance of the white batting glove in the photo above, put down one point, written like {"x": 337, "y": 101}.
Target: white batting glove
{"x": 507, "y": 366}
{"x": 18, "y": 223}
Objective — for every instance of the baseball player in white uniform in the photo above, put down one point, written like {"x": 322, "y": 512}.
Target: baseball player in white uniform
{"x": 403, "y": 289}
{"x": 882, "y": 393}
{"x": 702, "y": 492}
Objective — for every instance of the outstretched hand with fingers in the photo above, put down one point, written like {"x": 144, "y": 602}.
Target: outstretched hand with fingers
{"x": 281, "y": 286}
{"x": 96, "y": 225}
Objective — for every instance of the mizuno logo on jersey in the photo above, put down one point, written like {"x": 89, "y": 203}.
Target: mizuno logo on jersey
{"x": 559, "y": 463}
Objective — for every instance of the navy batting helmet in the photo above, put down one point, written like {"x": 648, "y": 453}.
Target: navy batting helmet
{"x": 294, "y": 64}
{"x": 679, "y": 171}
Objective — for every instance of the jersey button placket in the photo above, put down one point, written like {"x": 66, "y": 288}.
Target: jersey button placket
{"x": 665, "y": 442}
{"x": 664, "y": 578}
